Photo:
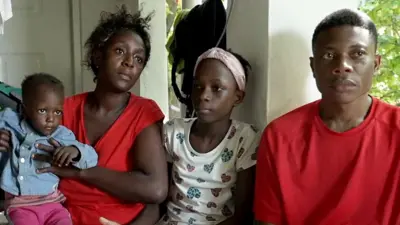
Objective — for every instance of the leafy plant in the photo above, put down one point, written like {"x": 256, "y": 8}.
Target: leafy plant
{"x": 172, "y": 8}
{"x": 386, "y": 15}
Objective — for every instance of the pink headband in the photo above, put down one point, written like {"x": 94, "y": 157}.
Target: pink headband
{"x": 229, "y": 60}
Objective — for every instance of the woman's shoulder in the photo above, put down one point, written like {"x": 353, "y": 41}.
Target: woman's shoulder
{"x": 142, "y": 112}
{"x": 72, "y": 106}
{"x": 142, "y": 103}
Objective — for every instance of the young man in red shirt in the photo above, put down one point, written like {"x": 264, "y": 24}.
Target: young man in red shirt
{"x": 337, "y": 160}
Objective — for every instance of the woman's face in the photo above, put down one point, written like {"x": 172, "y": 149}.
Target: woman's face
{"x": 122, "y": 62}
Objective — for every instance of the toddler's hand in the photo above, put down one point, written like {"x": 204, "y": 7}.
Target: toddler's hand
{"x": 65, "y": 155}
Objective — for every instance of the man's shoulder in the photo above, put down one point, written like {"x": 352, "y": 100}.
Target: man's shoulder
{"x": 387, "y": 114}
{"x": 382, "y": 106}
{"x": 295, "y": 119}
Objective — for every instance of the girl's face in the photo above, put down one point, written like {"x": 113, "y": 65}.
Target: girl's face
{"x": 215, "y": 91}
{"x": 122, "y": 62}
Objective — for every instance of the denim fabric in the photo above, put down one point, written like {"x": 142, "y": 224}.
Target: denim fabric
{"x": 19, "y": 176}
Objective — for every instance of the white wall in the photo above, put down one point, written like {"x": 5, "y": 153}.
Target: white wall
{"x": 154, "y": 79}
{"x": 188, "y": 4}
{"x": 276, "y": 38}
{"x": 291, "y": 25}
{"x": 247, "y": 34}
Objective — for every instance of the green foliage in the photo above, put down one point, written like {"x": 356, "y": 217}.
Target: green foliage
{"x": 386, "y": 15}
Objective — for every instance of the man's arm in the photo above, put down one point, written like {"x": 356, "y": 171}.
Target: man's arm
{"x": 148, "y": 182}
{"x": 268, "y": 207}
{"x": 243, "y": 198}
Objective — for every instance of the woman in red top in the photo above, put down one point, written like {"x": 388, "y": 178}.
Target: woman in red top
{"x": 124, "y": 129}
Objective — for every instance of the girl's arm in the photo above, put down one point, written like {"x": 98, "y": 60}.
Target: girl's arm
{"x": 243, "y": 198}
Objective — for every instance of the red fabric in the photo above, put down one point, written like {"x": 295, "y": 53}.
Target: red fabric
{"x": 87, "y": 203}
{"x": 308, "y": 174}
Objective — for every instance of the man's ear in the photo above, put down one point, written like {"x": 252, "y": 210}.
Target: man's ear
{"x": 378, "y": 60}
{"x": 312, "y": 65}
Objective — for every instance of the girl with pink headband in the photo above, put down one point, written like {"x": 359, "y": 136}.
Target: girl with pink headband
{"x": 213, "y": 156}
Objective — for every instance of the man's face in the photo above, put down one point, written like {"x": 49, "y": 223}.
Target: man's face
{"x": 344, "y": 63}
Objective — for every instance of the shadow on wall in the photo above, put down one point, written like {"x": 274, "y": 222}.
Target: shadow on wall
{"x": 290, "y": 82}
{"x": 247, "y": 34}
{"x": 253, "y": 108}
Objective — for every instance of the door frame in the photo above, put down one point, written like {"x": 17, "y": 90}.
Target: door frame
{"x": 76, "y": 23}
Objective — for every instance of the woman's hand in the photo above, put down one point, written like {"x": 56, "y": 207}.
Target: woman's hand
{"x": 67, "y": 171}
{"x": 105, "y": 221}
{"x": 5, "y": 140}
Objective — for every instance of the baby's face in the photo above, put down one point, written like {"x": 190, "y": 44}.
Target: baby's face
{"x": 44, "y": 110}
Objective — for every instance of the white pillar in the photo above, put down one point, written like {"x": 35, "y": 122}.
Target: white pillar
{"x": 153, "y": 82}
{"x": 247, "y": 34}
{"x": 275, "y": 36}
{"x": 188, "y": 4}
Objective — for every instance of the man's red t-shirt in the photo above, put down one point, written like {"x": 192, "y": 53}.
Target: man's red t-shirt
{"x": 308, "y": 174}
{"x": 87, "y": 203}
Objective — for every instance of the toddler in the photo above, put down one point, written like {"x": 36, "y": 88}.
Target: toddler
{"x": 33, "y": 198}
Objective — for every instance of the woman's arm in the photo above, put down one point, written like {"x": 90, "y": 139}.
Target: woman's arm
{"x": 243, "y": 198}
{"x": 5, "y": 140}
{"x": 149, "y": 216}
{"x": 148, "y": 182}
